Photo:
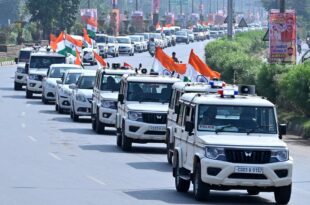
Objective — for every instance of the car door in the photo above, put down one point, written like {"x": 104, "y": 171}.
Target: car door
{"x": 190, "y": 137}
{"x": 179, "y": 132}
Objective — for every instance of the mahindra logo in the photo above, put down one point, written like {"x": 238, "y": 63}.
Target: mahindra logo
{"x": 158, "y": 117}
{"x": 248, "y": 153}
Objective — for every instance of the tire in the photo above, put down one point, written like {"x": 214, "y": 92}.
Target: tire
{"x": 282, "y": 194}
{"x": 75, "y": 117}
{"x": 61, "y": 110}
{"x": 17, "y": 86}
{"x": 201, "y": 189}
{"x": 93, "y": 122}
{"x": 99, "y": 125}
{"x": 126, "y": 142}
{"x": 252, "y": 192}
{"x": 181, "y": 185}
{"x": 44, "y": 100}
{"x": 56, "y": 107}
{"x": 29, "y": 94}
{"x": 169, "y": 154}
{"x": 119, "y": 139}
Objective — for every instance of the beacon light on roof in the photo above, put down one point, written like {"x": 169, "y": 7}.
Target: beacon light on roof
{"x": 217, "y": 84}
{"x": 229, "y": 91}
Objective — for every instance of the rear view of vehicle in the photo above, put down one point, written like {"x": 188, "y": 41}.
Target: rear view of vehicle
{"x": 182, "y": 37}
{"x": 21, "y": 72}
{"x": 38, "y": 67}
{"x": 101, "y": 40}
{"x": 125, "y": 45}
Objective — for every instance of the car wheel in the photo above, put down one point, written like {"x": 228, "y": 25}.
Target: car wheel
{"x": 119, "y": 139}
{"x": 201, "y": 189}
{"x": 169, "y": 154}
{"x": 99, "y": 125}
{"x": 126, "y": 142}
{"x": 29, "y": 94}
{"x": 282, "y": 194}
{"x": 17, "y": 86}
{"x": 181, "y": 184}
{"x": 44, "y": 100}
{"x": 75, "y": 117}
{"x": 252, "y": 192}
{"x": 56, "y": 107}
{"x": 61, "y": 110}
{"x": 93, "y": 122}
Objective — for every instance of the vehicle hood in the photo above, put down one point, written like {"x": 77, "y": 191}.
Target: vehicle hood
{"x": 42, "y": 72}
{"x": 241, "y": 139}
{"x": 86, "y": 92}
{"x": 52, "y": 80}
{"x": 148, "y": 107}
{"x": 109, "y": 95}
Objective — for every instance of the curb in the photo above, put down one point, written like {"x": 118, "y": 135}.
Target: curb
{"x": 4, "y": 63}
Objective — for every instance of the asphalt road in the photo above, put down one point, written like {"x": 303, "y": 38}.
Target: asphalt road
{"x": 46, "y": 159}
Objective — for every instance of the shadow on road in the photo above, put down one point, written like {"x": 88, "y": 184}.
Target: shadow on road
{"x": 157, "y": 166}
{"x": 102, "y": 148}
{"x": 49, "y": 112}
{"x": 14, "y": 96}
{"x": 61, "y": 119}
{"x": 83, "y": 131}
{"x": 34, "y": 102}
{"x": 7, "y": 89}
{"x": 173, "y": 197}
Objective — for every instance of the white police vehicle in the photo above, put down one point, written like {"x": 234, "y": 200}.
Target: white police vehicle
{"x": 37, "y": 69}
{"x": 179, "y": 89}
{"x": 21, "y": 71}
{"x": 125, "y": 45}
{"x": 63, "y": 92}
{"x": 142, "y": 109}
{"x": 49, "y": 84}
{"x": 104, "y": 103}
{"x": 227, "y": 141}
{"x": 81, "y": 97}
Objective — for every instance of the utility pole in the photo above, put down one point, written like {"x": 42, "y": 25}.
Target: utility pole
{"x": 181, "y": 9}
{"x": 192, "y": 6}
{"x": 210, "y": 6}
{"x": 169, "y": 6}
{"x": 230, "y": 17}
{"x": 88, "y": 4}
{"x": 217, "y": 6}
{"x": 136, "y": 5}
{"x": 282, "y": 6}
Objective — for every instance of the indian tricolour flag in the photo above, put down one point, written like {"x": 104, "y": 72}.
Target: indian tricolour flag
{"x": 71, "y": 44}
{"x": 92, "y": 27}
{"x": 58, "y": 45}
{"x": 165, "y": 65}
{"x": 198, "y": 71}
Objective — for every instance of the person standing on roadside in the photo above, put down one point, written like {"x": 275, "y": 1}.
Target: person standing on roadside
{"x": 175, "y": 59}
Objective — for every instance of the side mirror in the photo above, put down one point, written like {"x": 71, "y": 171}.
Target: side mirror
{"x": 72, "y": 86}
{"x": 121, "y": 98}
{"x": 16, "y": 60}
{"x": 177, "y": 109}
{"x": 58, "y": 81}
{"x": 189, "y": 126}
{"x": 282, "y": 130}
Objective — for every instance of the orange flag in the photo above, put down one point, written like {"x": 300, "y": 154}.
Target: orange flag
{"x": 86, "y": 37}
{"x": 52, "y": 38}
{"x": 127, "y": 65}
{"x": 55, "y": 41}
{"x": 200, "y": 68}
{"x": 78, "y": 58}
{"x": 100, "y": 60}
{"x": 157, "y": 26}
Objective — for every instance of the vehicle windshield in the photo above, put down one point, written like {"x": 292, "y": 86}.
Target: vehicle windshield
{"x": 101, "y": 39}
{"x": 237, "y": 119}
{"x": 123, "y": 40}
{"x": 86, "y": 82}
{"x": 24, "y": 56}
{"x": 72, "y": 78}
{"x": 111, "y": 40}
{"x": 181, "y": 33}
{"x": 44, "y": 62}
{"x": 58, "y": 72}
{"x": 149, "y": 92}
{"x": 167, "y": 32}
{"x": 110, "y": 82}
{"x": 135, "y": 38}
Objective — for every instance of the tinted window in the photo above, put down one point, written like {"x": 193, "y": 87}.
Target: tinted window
{"x": 72, "y": 78}
{"x": 110, "y": 82}
{"x": 101, "y": 39}
{"x": 45, "y": 61}
{"x": 24, "y": 56}
{"x": 57, "y": 72}
{"x": 86, "y": 82}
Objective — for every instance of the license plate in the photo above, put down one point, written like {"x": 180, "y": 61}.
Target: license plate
{"x": 157, "y": 128}
{"x": 248, "y": 170}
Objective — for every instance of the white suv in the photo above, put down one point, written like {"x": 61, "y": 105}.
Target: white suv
{"x": 49, "y": 84}
{"x": 226, "y": 141}
{"x": 125, "y": 45}
{"x": 104, "y": 104}
{"x": 38, "y": 65}
{"x": 21, "y": 71}
{"x": 178, "y": 90}
{"x": 81, "y": 97}
{"x": 142, "y": 109}
{"x": 63, "y": 92}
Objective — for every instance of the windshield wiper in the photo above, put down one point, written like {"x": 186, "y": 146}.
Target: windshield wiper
{"x": 222, "y": 128}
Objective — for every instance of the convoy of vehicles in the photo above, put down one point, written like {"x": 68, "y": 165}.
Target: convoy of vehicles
{"x": 21, "y": 71}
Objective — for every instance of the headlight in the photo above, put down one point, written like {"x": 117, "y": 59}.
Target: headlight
{"x": 33, "y": 77}
{"x": 108, "y": 104}
{"x": 21, "y": 70}
{"x": 135, "y": 116}
{"x": 216, "y": 153}
{"x": 80, "y": 97}
{"x": 279, "y": 155}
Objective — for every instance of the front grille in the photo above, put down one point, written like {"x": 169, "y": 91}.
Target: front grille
{"x": 247, "y": 176}
{"x": 247, "y": 156}
{"x": 154, "y": 118}
{"x": 155, "y": 133}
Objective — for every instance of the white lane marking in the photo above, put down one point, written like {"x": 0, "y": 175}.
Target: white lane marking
{"x": 23, "y": 125}
{"x": 54, "y": 156}
{"x": 95, "y": 180}
{"x": 32, "y": 138}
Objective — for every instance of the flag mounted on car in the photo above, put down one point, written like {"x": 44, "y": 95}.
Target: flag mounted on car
{"x": 92, "y": 27}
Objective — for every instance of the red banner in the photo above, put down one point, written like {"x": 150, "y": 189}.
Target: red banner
{"x": 282, "y": 37}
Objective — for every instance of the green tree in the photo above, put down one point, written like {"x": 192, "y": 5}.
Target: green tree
{"x": 67, "y": 14}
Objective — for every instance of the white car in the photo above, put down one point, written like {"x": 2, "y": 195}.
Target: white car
{"x": 125, "y": 45}
{"x": 113, "y": 48}
{"x": 135, "y": 39}
{"x": 227, "y": 141}
{"x": 21, "y": 72}
{"x": 142, "y": 109}
{"x": 104, "y": 103}
{"x": 81, "y": 97}
{"x": 49, "y": 84}
{"x": 38, "y": 65}
{"x": 157, "y": 39}
{"x": 63, "y": 92}
{"x": 101, "y": 40}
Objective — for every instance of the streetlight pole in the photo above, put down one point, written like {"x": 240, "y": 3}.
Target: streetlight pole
{"x": 181, "y": 9}
{"x": 217, "y": 6}
{"x": 136, "y": 5}
{"x": 169, "y": 6}
{"x": 282, "y": 6}
{"x": 230, "y": 16}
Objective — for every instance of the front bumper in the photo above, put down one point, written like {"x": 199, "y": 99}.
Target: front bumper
{"x": 34, "y": 86}
{"x": 107, "y": 116}
{"x": 144, "y": 131}
{"x": 124, "y": 50}
{"x": 49, "y": 93}
{"x": 82, "y": 108}
{"x": 228, "y": 177}
{"x": 64, "y": 102}
{"x": 21, "y": 78}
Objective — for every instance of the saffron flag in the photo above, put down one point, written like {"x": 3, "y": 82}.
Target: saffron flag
{"x": 86, "y": 37}
{"x": 100, "y": 60}
{"x": 78, "y": 58}
{"x": 127, "y": 65}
